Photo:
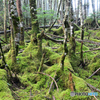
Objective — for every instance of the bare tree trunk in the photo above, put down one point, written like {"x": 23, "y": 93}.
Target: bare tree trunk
{"x": 18, "y": 2}
{"x": 5, "y": 19}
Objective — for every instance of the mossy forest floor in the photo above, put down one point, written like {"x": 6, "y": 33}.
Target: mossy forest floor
{"x": 29, "y": 85}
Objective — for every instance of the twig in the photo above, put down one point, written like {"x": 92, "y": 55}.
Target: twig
{"x": 94, "y": 73}
{"x": 50, "y": 77}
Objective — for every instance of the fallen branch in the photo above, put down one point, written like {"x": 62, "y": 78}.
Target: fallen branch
{"x": 89, "y": 50}
{"x": 94, "y": 73}
{"x": 95, "y": 89}
{"x": 50, "y": 77}
{"x": 51, "y": 84}
{"x": 56, "y": 36}
{"x": 47, "y": 37}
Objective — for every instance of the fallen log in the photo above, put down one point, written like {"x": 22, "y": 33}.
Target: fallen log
{"x": 2, "y": 32}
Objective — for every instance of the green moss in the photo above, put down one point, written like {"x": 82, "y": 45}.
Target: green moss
{"x": 95, "y": 63}
{"x": 3, "y": 75}
{"x": 5, "y": 93}
{"x": 58, "y": 31}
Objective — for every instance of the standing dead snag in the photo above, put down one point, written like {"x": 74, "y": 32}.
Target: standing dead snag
{"x": 70, "y": 82}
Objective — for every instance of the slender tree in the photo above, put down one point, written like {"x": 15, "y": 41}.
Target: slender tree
{"x": 18, "y": 2}
{"x": 34, "y": 21}
{"x": 65, "y": 29}
{"x": 5, "y": 20}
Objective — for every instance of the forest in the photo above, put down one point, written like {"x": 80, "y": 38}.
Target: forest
{"x": 50, "y": 50}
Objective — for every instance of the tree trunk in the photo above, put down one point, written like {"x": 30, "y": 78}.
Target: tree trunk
{"x": 65, "y": 28}
{"x": 14, "y": 28}
{"x": 18, "y": 3}
{"x": 5, "y": 18}
{"x": 34, "y": 21}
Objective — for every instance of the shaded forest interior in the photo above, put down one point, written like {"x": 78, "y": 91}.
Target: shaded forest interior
{"x": 49, "y": 48}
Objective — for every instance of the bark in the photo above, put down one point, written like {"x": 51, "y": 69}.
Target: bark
{"x": 18, "y": 2}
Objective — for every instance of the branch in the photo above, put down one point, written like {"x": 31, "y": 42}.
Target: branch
{"x": 94, "y": 73}
{"x": 95, "y": 89}
{"x": 3, "y": 41}
{"x": 50, "y": 77}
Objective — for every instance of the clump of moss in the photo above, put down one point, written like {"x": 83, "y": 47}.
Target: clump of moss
{"x": 58, "y": 31}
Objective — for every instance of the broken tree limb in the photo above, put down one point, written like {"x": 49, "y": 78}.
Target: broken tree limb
{"x": 89, "y": 50}
{"x": 94, "y": 73}
{"x": 47, "y": 37}
{"x": 50, "y": 77}
{"x": 95, "y": 89}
